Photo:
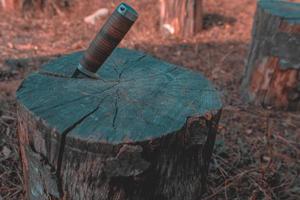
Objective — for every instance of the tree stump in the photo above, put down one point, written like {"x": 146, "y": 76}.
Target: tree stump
{"x": 181, "y": 17}
{"x": 144, "y": 130}
{"x": 272, "y": 76}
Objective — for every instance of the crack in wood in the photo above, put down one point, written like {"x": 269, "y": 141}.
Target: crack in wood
{"x": 116, "y": 109}
{"x": 131, "y": 66}
{"x": 63, "y": 140}
{"x": 46, "y": 109}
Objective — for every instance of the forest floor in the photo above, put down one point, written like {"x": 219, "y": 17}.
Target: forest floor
{"x": 257, "y": 150}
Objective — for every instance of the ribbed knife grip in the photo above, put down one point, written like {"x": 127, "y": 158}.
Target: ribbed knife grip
{"x": 110, "y": 35}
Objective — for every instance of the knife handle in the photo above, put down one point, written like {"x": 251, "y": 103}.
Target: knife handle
{"x": 107, "y": 39}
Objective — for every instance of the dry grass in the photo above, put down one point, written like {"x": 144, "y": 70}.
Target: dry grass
{"x": 11, "y": 185}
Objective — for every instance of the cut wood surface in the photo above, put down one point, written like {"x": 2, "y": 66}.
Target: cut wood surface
{"x": 144, "y": 130}
{"x": 272, "y": 76}
{"x": 181, "y": 17}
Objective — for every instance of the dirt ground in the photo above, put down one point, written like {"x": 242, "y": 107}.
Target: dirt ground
{"x": 257, "y": 151}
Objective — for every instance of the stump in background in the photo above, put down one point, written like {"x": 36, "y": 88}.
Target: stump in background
{"x": 181, "y": 17}
{"x": 272, "y": 76}
{"x": 145, "y": 130}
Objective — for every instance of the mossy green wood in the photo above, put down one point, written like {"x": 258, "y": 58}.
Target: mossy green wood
{"x": 137, "y": 98}
{"x": 290, "y": 11}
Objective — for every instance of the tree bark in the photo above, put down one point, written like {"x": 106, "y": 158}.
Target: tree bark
{"x": 272, "y": 76}
{"x": 129, "y": 135}
{"x": 181, "y": 17}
